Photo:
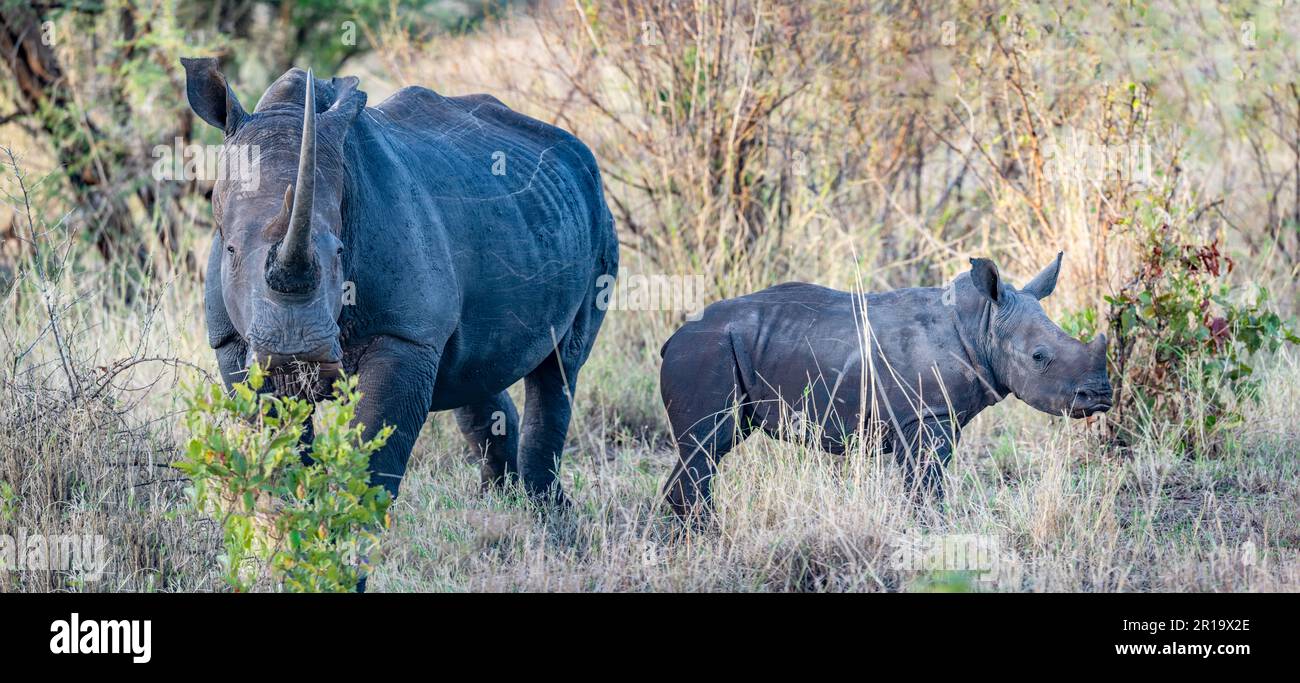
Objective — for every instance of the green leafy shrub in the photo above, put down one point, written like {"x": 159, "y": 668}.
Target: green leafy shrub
{"x": 1183, "y": 335}
{"x": 1081, "y": 324}
{"x": 290, "y": 522}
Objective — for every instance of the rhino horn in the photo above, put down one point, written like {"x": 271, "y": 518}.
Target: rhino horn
{"x": 295, "y": 252}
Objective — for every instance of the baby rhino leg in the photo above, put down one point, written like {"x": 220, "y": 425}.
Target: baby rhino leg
{"x": 924, "y": 451}
{"x": 706, "y": 411}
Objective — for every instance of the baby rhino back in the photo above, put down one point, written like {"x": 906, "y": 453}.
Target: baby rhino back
{"x": 787, "y": 355}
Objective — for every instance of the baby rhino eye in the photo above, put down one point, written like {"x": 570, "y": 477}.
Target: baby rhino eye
{"x": 1038, "y": 356}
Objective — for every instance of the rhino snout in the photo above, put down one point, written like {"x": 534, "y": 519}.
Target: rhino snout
{"x": 274, "y": 349}
{"x": 1092, "y": 398}
{"x": 326, "y": 353}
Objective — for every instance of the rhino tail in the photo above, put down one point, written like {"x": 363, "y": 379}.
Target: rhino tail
{"x": 745, "y": 375}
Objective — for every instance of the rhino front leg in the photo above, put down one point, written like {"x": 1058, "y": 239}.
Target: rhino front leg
{"x": 232, "y": 358}
{"x": 492, "y": 430}
{"x": 924, "y": 450}
{"x": 396, "y": 380}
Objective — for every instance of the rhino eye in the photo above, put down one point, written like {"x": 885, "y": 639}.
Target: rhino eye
{"x": 1042, "y": 358}
{"x": 230, "y": 248}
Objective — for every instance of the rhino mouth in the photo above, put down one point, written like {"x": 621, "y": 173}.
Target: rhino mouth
{"x": 307, "y": 375}
{"x": 1078, "y": 412}
{"x": 307, "y": 380}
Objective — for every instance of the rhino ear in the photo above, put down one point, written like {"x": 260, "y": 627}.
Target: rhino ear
{"x": 984, "y": 274}
{"x": 348, "y": 103}
{"x": 1045, "y": 282}
{"x": 209, "y": 95}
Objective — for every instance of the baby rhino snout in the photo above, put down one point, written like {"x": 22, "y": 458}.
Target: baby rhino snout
{"x": 1092, "y": 397}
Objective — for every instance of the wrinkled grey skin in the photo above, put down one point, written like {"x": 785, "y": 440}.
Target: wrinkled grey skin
{"x": 471, "y": 236}
{"x": 939, "y": 357}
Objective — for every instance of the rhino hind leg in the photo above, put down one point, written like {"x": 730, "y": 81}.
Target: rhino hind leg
{"x": 701, "y": 444}
{"x": 548, "y": 398}
{"x": 704, "y": 399}
{"x": 548, "y": 407}
{"x": 492, "y": 430}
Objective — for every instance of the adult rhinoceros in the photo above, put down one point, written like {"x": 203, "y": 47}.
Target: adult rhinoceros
{"x": 470, "y": 236}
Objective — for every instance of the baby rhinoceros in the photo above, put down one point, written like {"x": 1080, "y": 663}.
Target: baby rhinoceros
{"x": 789, "y": 361}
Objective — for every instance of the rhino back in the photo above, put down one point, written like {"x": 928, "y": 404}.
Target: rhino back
{"x": 473, "y": 224}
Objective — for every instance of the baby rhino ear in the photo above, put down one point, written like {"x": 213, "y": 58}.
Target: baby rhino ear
{"x": 1044, "y": 283}
{"x": 984, "y": 275}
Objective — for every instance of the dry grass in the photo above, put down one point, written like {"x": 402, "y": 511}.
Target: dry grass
{"x": 1064, "y": 515}
{"x": 1067, "y": 514}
